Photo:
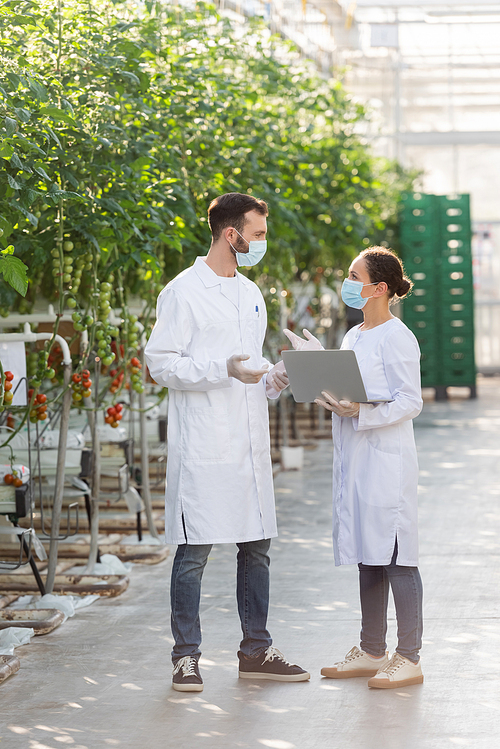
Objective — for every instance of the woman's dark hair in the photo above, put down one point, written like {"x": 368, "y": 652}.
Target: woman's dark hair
{"x": 384, "y": 265}
{"x": 229, "y": 210}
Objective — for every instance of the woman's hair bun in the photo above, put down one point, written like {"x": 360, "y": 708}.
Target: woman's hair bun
{"x": 404, "y": 287}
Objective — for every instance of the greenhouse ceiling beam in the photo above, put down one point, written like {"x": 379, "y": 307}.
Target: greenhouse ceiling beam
{"x": 451, "y": 138}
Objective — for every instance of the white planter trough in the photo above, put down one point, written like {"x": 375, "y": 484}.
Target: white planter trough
{"x": 292, "y": 458}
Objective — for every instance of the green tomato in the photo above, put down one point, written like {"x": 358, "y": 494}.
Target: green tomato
{"x": 78, "y": 326}
{"x": 67, "y": 277}
{"x": 76, "y": 317}
{"x": 71, "y": 303}
{"x": 88, "y": 320}
{"x": 35, "y": 382}
{"x": 108, "y": 360}
{"x": 50, "y": 373}
{"x": 68, "y": 246}
{"x": 106, "y": 286}
{"x": 54, "y": 252}
{"x": 38, "y": 214}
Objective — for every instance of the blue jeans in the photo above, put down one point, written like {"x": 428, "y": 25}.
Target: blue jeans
{"x": 406, "y": 587}
{"x": 252, "y": 594}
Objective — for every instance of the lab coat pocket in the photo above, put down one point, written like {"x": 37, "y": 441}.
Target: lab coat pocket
{"x": 205, "y": 435}
{"x": 381, "y": 480}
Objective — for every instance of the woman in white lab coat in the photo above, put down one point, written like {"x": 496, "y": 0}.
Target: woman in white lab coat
{"x": 375, "y": 475}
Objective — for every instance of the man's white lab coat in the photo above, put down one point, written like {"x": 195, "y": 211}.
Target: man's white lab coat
{"x": 219, "y": 473}
{"x": 375, "y": 469}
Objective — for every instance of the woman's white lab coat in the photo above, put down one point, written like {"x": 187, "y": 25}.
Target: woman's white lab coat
{"x": 219, "y": 473}
{"x": 375, "y": 470}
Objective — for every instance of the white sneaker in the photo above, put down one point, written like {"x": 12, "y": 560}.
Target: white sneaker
{"x": 356, "y": 663}
{"x": 399, "y": 672}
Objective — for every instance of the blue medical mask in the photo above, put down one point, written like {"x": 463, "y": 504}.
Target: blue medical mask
{"x": 351, "y": 293}
{"x": 256, "y": 251}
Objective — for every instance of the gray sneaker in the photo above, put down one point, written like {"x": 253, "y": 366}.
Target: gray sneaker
{"x": 270, "y": 664}
{"x": 186, "y": 675}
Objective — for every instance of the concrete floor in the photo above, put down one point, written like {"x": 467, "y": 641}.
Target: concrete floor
{"x": 103, "y": 679}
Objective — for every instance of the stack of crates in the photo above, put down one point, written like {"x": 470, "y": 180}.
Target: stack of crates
{"x": 436, "y": 251}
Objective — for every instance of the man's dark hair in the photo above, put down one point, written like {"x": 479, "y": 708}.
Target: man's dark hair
{"x": 229, "y": 210}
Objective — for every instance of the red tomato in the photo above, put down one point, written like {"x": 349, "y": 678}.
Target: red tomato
{"x": 7, "y": 386}
{"x": 41, "y": 398}
{"x": 135, "y": 362}
{"x": 9, "y": 376}
{"x": 76, "y": 378}
{"x": 118, "y": 408}
{"x": 17, "y": 482}
{"x": 8, "y": 478}
{"x": 111, "y": 411}
{"x": 109, "y": 419}
{"x": 86, "y": 383}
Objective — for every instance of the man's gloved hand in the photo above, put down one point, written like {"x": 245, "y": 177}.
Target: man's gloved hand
{"x": 236, "y": 369}
{"x": 299, "y": 344}
{"x": 341, "y": 408}
{"x": 277, "y": 377}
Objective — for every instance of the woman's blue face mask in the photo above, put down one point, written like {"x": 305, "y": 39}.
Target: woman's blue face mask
{"x": 351, "y": 293}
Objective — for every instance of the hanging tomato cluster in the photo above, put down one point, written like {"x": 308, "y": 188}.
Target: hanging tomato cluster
{"x": 135, "y": 375}
{"x": 54, "y": 362}
{"x": 13, "y": 479}
{"x": 114, "y": 415}
{"x": 117, "y": 380}
{"x": 7, "y": 385}
{"x": 81, "y": 386}
{"x": 38, "y": 408}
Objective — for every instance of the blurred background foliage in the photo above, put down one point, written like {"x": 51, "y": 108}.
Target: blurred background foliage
{"x": 120, "y": 121}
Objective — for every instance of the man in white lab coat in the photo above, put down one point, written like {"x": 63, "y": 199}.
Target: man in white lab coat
{"x": 206, "y": 347}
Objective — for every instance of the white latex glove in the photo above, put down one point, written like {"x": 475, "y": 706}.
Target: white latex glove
{"x": 341, "y": 408}
{"x": 277, "y": 377}
{"x": 236, "y": 369}
{"x": 311, "y": 344}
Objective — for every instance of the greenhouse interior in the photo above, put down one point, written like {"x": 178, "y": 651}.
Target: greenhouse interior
{"x": 155, "y": 411}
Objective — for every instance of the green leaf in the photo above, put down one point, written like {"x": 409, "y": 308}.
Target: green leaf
{"x": 14, "y": 273}
{"x": 22, "y": 114}
{"x": 14, "y": 79}
{"x": 10, "y": 125}
{"x": 39, "y": 91}
{"x": 6, "y": 151}
{"x": 56, "y": 114}
{"x": 42, "y": 173}
{"x": 12, "y": 182}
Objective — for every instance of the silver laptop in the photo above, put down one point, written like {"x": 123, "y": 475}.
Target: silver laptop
{"x": 335, "y": 371}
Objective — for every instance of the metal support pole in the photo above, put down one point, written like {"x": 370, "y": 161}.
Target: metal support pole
{"x": 59, "y": 487}
{"x": 145, "y": 486}
{"x": 95, "y": 482}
